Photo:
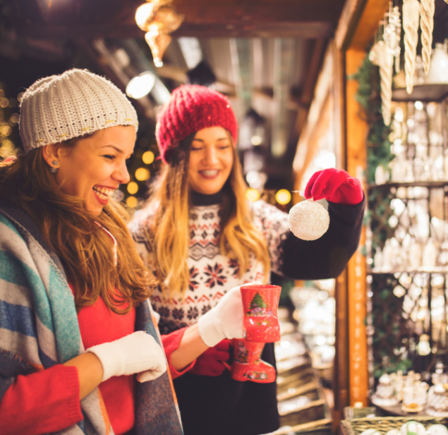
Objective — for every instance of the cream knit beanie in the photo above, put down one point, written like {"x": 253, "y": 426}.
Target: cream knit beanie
{"x": 77, "y": 102}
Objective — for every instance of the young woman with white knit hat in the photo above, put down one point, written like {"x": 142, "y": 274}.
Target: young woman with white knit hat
{"x": 79, "y": 348}
{"x": 201, "y": 237}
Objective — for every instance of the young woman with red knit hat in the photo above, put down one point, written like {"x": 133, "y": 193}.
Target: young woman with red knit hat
{"x": 200, "y": 236}
{"x": 79, "y": 350}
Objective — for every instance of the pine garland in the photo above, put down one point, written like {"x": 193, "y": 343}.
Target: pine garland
{"x": 369, "y": 97}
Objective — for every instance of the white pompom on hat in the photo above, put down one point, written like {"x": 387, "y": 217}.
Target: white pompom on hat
{"x": 60, "y": 107}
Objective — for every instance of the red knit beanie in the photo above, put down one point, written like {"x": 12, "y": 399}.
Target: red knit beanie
{"x": 190, "y": 109}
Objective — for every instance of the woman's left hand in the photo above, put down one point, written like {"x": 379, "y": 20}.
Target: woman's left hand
{"x": 334, "y": 185}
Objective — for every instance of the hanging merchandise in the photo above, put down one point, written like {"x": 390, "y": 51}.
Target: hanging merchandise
{"x": 411, "y": 17}
{"x": 427, "y": 9}
{"x": 158, "y": 18}
{"x": 309, "y": 220}
{"x": 392, "y": 34}
{"x": 380, "y": 55}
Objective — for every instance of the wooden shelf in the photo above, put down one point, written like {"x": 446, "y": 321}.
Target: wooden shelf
{"x": 429, "y": 184}
{"x": 426, "y": 93}
{"x": 437, "y": 269}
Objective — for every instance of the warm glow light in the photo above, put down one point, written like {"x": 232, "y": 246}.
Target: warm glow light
{"x": 148, "y": 157}
{"x": 252, "y": 194}
{"x": 141, "y": 85}
{"x": 131, "y": 201}
{"x": 418, "y": 105}
{"x": 256, "y": 140}
{"x": 143, "y": 15}
{"x": 142, "y": 174}
{"x": 132, "y": 187}
{"x": 283, "y": 196}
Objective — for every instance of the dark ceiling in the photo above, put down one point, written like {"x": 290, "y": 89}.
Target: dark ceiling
{"x": 264, "y": 54}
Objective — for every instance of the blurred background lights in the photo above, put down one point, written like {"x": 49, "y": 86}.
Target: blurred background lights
{"x": 148, "y": 157}
{"x": 256, "y": 140}
{"x": 283, "y": 196}
{"x": 141, "y": 85}
{"x": 252, "y": 194}
{"x": 325, "y": 159}
{"x": 131, "y": 201}
{"x": 132, "y": 187}
{"x": 418, "y": 105}
{"x": 142, "y": 174}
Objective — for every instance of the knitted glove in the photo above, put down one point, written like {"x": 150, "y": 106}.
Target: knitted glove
{"x": 225, "y": 320}
{"x": 335, "y": 185}
{"x": 135, "y": 353}
{"x": 210, "y": 362}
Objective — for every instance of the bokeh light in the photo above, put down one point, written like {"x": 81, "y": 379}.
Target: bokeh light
{"x": 252, "y": 194}
{"x": 283, "y": 196}
{"x": 148, "y": 157}
{"x": 142, "y": 174}
{"x": 132, "y": 187}
{"x": 131, "y": 201}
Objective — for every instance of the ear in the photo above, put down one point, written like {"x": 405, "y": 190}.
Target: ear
{"x": 51, "y": 153}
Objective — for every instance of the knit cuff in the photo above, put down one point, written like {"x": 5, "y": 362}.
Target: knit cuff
{"x": 209, "y": 329}
{"x": 349, "y": 213}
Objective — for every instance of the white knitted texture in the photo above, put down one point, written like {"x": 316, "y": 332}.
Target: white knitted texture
{"x": 309, "y": 220}
{"x": 75, "y": 103}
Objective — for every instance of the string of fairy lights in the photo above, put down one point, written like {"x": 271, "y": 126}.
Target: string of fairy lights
{"x": 143, "y": 165}
{"x": 9, "y": 119}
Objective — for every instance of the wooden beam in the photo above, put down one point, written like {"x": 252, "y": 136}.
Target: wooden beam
{"x": 368, "y": 24}
{"x": 202, "y": 18}
{"x": 357, "y": 130}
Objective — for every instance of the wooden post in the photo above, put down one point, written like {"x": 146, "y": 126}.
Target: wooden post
{"x": 356, "y": 152}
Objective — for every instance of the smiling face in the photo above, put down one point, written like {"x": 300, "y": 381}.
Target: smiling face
{"x": 211, "y": 160}
{"x": 95, "y": 166}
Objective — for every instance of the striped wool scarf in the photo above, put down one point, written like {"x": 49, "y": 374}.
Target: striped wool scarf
{"x": 39, "y": 328}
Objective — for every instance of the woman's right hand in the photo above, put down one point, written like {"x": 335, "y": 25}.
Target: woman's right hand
{"x": 136, "y": 353}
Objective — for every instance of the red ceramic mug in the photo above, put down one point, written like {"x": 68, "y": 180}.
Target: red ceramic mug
{"x": 260, "y": 304}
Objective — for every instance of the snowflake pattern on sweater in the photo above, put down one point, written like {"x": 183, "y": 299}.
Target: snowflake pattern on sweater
{"x": 211, "y": 273}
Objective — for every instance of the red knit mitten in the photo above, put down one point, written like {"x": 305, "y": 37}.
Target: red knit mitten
{"x": 210, "y": 362}
{"x": 334, "y": 185}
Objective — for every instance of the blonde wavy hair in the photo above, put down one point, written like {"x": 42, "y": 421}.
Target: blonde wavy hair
{"x": 169, "y": 233}
{"x": 85, "y": 250}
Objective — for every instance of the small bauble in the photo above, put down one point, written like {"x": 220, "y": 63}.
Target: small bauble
{"x": 309, "y": 220}
{"x": 437, "y": 429}
{"x": 371, "y": 432}
{"x": 393, "y": 432}
{"x": 413, "y": 428}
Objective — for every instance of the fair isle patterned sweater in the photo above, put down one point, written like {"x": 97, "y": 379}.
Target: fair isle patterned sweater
{"x": 213, "y": 274}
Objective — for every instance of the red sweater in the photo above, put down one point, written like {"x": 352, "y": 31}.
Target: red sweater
{"x": 48, "y": 401}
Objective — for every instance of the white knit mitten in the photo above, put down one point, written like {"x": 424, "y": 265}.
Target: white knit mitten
{"x": 135, "y": 353}
{"x": 225, "y": 320}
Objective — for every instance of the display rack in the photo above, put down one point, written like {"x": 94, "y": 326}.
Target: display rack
{"x": 407, "y": 300}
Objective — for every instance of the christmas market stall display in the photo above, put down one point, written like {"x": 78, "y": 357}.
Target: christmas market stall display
{"x": 407, "y": 235}
{"x": 302, "y": 403}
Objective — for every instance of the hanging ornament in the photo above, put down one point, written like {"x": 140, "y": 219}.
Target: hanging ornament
{"x": 309, "y": 220}
{"x": 411, "y": 17}
{"x": 384, "y": 59}
{"x": 158, "y": 43}
{"x": 158, "y": 18}
{"x": 392, "y": 34}
{"x": 427, "y": 9}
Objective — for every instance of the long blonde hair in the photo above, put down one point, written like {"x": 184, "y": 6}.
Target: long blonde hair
{"x": 169, "y": 232}
{"x": 85, "y": 250}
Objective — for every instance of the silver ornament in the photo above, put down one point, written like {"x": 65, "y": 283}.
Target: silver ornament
{"x": 309, "y": 220}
